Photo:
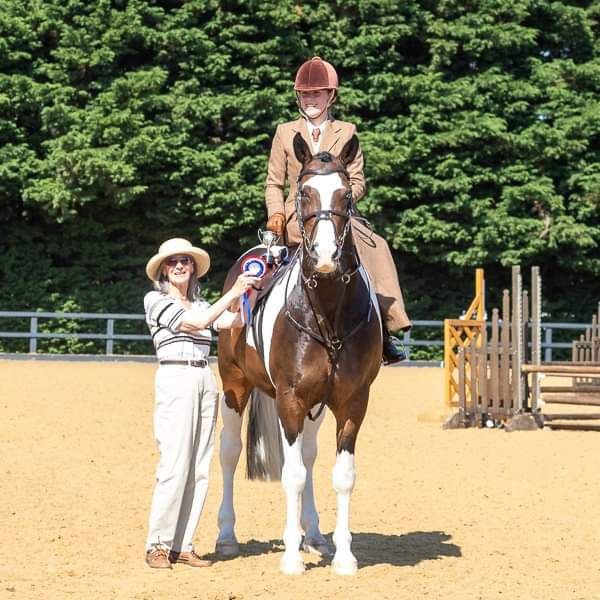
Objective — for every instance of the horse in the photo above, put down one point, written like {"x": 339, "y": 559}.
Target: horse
{"x": 317, "y": 342}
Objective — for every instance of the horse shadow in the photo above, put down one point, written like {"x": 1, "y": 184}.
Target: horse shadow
{"x": 405, "y": 550}
{"x": 251, "y": 548}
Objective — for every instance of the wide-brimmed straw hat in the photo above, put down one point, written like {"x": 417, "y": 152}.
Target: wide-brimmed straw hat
{"x": 177, "y": 246}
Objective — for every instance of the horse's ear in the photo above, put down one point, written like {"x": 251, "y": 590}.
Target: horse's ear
{"x": 301, "y": 149}
{"x": 349, "y": 150}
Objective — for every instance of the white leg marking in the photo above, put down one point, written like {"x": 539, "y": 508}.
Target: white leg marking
{"x": 293, "y": 478}
{"x": 314, "y": 541}
{"x": 344, "y": 475}
{"x": 231, "y": 446}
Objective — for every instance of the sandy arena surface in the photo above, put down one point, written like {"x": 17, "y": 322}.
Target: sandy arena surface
{"x": 435, "y": 514}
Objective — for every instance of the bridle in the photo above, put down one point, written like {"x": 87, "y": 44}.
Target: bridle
{"x": 323, "y": 215}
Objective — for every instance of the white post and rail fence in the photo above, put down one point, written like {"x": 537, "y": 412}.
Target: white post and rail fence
{"x": 30, "y": 329}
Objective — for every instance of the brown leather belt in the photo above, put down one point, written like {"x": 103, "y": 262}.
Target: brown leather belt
{"x": 188, "y": 363}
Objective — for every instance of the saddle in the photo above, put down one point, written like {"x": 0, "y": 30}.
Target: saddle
{"x": 268, "y": 265}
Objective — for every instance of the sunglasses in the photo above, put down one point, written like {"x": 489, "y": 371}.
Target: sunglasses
{"x": 174, "y": 260}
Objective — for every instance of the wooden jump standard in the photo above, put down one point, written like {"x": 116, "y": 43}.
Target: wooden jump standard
{"x": 496, "y": 381}
{"x": 490, "y": 389}
{"x": 584, "y": 391}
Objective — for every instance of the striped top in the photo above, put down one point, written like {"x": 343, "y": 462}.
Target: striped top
{"x": 163, "y": 316}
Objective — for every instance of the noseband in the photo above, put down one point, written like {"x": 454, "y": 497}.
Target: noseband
{"x": 323, "y": 215}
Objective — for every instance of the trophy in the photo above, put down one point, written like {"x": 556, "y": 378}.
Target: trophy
{"x": 268, "y": 238}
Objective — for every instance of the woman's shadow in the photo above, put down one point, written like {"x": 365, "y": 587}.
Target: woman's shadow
{"x": 405, "y": 550}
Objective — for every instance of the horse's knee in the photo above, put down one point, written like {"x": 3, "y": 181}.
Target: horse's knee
{"x": 293, "y": 478}
{"x": 232, "y": 417}
{"x": 230, "y": 448}
{"x": 309, "y": 452}
{"x": 344, "y": 473}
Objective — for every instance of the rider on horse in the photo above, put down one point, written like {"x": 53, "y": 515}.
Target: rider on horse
{"x": 316, "y": 87}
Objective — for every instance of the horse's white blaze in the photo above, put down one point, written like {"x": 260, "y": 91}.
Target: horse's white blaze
{"x": 344, "y": 476}
{"x": 293, "y": 479}
{"x": 324, "y": 237}
{"x": 229, "y": 454}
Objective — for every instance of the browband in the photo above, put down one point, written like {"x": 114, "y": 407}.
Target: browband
{"x": 305, "y": 172}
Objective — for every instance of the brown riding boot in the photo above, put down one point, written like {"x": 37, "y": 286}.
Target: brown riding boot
{"x": 188, "y": 558}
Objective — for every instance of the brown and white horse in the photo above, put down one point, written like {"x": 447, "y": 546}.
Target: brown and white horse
{"x": 317, "y": 342}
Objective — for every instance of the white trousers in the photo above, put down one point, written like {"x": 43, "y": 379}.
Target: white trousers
{"x": 185, "y": 415}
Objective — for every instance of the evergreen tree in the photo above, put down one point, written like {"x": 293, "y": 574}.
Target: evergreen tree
{"x": 125, "y": 122}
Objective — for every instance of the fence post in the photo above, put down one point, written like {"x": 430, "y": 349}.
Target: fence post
{"x": 536, "y": 321}
{"x": 516, "y": 321}
{"x": 33, "y": 328}
{"x": 110, "y": 331}
{"x": 406, "y": 342}
{"x": 548, "y": 344}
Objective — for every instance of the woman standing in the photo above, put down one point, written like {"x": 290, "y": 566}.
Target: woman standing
{"x": 316, "y": 87}
{"x": 185, "y": 396}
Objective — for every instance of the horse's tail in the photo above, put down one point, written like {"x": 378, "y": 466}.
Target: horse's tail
{"x": 264, "y": 451}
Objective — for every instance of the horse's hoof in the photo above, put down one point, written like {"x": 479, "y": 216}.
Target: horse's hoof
{"x": 291, "y": 565}
{"x": 319, "y": 547}
{"x": 346, "y": 566}
{"x": 227, "y": 548}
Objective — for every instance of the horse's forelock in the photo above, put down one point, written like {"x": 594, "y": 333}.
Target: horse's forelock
{"x": 325, "y": 157}
{"x": 323, "y": 161}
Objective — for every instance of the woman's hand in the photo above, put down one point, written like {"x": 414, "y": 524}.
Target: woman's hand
{"x": 243, "y": 283}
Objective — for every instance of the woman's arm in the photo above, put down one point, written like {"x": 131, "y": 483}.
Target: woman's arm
{"x": 201, "y": 319}
{"x": 228, "y": 320}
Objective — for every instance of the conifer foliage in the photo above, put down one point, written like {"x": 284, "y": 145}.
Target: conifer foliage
{"x": 124, "y": 122}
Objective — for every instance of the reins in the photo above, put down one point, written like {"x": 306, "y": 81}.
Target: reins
{"x": 328, "y": 334}
{"x": 328, "y": 338}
